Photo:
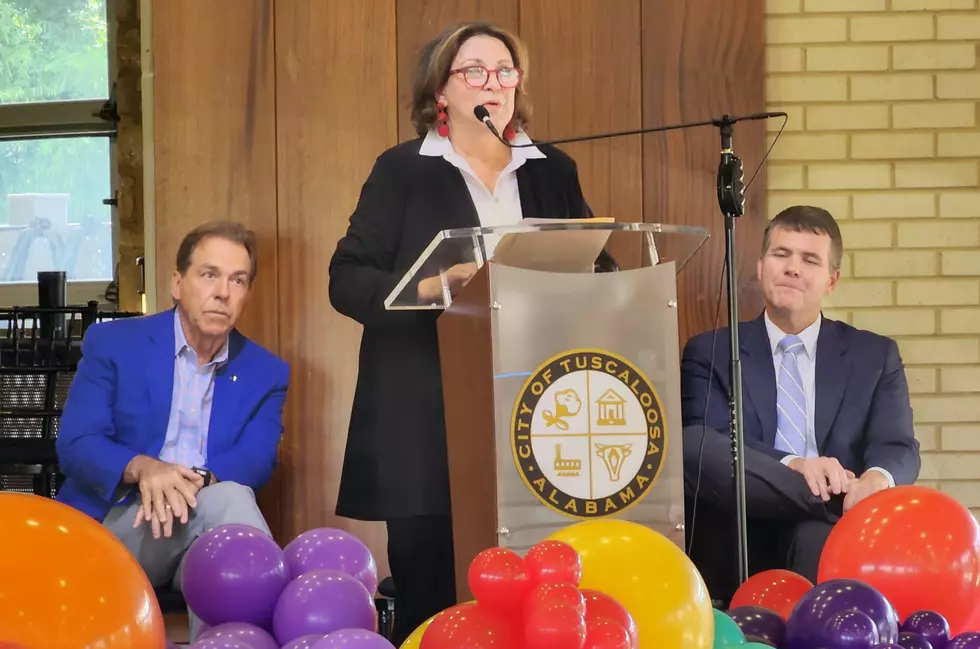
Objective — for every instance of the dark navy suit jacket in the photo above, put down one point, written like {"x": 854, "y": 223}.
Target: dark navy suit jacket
{"x": 863, "y": 415}
{"x": 118, "y": 407}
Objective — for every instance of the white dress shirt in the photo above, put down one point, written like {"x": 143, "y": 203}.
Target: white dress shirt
{"x": 500, "y": 207}
{"x": 807, "y": 362}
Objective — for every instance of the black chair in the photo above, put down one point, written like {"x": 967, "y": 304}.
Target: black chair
{"x": 171, "y": 601}
{"x": 385, "y": 603}
{"x": 39, "y": 352}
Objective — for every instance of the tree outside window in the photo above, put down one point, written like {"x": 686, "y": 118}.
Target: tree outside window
{"x": 56, "y": 135}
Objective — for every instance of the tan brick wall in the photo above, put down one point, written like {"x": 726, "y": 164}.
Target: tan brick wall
{"x": 884, "y": 98}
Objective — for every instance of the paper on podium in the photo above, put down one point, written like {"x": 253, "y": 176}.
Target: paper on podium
{"x": 558, "y": 251}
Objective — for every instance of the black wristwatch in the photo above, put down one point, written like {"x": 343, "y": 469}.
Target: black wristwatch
{"x": 204, "y": 473}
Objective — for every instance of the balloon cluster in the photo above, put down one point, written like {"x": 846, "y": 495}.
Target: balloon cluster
{"x": 918, "y": 546}
{"x": 770, "y": 609}
{"x": 532, "y": 603}
{"x": 316, "y": 593}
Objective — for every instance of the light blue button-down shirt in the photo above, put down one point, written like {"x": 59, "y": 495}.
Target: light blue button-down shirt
{"x": 807, "y": 362}
{"x": 190, "y": 406}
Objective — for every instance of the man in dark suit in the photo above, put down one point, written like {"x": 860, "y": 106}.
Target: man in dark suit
{"x": 826, "y": 412}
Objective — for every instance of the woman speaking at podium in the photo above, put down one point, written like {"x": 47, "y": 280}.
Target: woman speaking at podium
{"x": 456, "y": 174}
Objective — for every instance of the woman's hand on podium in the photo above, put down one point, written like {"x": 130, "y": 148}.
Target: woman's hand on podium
{"x": 456, "y": 277}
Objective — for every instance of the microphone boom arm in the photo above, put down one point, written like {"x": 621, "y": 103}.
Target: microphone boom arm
{"x": 483, "y": 115}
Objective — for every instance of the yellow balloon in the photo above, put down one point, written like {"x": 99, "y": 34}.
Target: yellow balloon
{"x": 414, "y": 641}
{"x": 649, "y": 575}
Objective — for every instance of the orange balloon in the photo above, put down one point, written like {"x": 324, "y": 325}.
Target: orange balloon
{"x": 776, "y": 590}
{"x": 918, "y": 546}
{"x": 67, "y": 583}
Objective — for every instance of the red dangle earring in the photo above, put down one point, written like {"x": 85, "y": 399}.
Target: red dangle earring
{"x": 442, "y": 119}
{"x": 509, "y": 132}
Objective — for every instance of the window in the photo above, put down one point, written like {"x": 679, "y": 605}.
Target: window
{"x": 57, "y": 141}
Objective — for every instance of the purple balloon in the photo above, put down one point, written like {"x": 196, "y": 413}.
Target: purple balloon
{"x": 326, "y": 548}
{"x": 353, "y": 639}
{"x": 252, "y": 635}
{"x": 909, "y": 640}
{"x": 305, "y": 642}
{"x": 970, "y": 640}
{"x": 759, "y": 624}
{"x": 850, "y": 630}
{"x": 323, "y": 601}
{"x": 234, "y": 573}
{"x": 930, "y": 625}
{"x": 221, "y": 643}
{"x": 806, "y": 623}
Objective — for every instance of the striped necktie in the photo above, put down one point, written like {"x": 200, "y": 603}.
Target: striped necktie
{"x": 791, "y": 424}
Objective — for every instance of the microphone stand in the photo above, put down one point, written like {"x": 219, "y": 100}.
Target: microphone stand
{"x": 731, "y": 200}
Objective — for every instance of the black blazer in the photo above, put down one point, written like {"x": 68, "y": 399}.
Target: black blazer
{"x": 396, "y": 461}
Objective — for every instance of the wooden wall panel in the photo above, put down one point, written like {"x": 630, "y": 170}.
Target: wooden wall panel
{"x": 215, "y": 144}
{"x": 278, "y": 122}
{"x": 703, "y": 59}
{"x": 585, "y": 78}
{"x": 333, "y": 121}
{"x": 421, "y": 20}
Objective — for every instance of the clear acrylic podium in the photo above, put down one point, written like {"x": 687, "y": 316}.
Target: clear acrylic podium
{"x": 561, "y": 385}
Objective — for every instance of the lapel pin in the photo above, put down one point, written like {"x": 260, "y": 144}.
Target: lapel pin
{"x": 234, "y": 377}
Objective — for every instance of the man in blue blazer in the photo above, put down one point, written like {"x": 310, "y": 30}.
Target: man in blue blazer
{"x": 173, "y": 420}
{"x": 826, "y": 411}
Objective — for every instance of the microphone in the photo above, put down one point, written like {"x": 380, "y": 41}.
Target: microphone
{"x": 731, "y": 200}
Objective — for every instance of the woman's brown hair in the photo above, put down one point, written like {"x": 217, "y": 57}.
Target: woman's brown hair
{"x": 436, "y": 59}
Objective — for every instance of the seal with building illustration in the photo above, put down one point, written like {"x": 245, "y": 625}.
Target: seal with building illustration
{"x": 588, "y": 433}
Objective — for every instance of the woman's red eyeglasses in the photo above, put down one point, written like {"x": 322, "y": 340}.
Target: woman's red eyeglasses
{"x": 476, "y": 76}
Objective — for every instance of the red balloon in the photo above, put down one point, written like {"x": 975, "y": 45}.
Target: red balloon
{"x": 554, "y": 627}
{"x": 599, "y": 606}
{"x": 553, "y": 561}
{"x": 606, "y": 634}
{"x": 918, "y": 546}
{"x": 554, "y": 594}
{"x": 497, "y": 580}
{"x": 776, "y": 590}
{"x": 472, "y": 626}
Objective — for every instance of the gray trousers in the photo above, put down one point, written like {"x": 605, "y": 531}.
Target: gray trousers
{"x": 223, "y": 503}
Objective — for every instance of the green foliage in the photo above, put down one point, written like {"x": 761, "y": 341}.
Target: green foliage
{"x": 54, "y": 50}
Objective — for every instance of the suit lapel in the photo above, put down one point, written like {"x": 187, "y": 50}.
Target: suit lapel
{"x": 525, "y": 187}
{"x": 832, "y": 370}
{"x": 228, "y": 384}
{"x": 759, "y": 375}
{"x": 159, "y": 365}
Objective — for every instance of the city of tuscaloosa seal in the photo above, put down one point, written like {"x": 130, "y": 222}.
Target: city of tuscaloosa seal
{"x": 588, "y": 433}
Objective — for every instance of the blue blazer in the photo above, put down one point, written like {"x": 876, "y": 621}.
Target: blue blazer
{"x": 118, "y": 407}
{"x": 863, "y": 414}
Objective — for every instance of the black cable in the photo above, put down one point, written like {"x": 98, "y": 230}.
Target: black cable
{"x": 711, "y": 367}
{"x": 707, "y": 398}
